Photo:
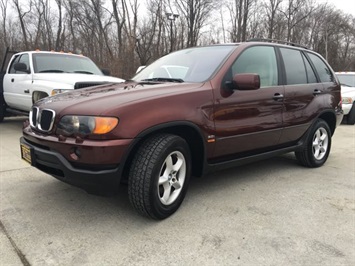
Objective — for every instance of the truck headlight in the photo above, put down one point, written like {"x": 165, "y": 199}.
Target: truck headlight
{"x": 70, "y": 125}
{"x": 57, "y": 91}
{"x": 347, "y": 100}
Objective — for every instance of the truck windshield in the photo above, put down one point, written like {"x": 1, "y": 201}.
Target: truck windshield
{"x": 196, "y": 64}
{"x": 63, "y": 63}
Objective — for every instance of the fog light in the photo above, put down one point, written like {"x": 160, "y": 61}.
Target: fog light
{"x": 75, "y": 154}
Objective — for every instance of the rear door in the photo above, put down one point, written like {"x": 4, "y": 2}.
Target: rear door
{"x": 303, "y": 94}
{"x": 326, "y": 76}
{"x": 17, "y": 84}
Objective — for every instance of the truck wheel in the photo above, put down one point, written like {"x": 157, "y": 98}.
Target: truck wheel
{"x": 2, "y": 110}
{"x": 351, "y": 116}
{"x": 159, "y": 176}
{"x": 317, "y": 145}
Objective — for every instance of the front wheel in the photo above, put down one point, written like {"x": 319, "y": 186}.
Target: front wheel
{"x": 159, "y": 176}
{"x": 351, "y": 116}
{"x": 2, "y": 109}
{"x": 316, "y": 148}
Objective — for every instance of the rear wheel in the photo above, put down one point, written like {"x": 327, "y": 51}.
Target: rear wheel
{"x": 316, "y": 148}
{"x": 159, "y": 176}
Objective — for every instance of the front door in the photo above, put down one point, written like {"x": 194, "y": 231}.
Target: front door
{"x": 18, "y": 84}
{"x": 250, "y": 120}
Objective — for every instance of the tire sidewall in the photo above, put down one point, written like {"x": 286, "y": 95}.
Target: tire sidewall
{"x": 177, "y": 144}
{"x": 351, "y": 115}
{"x": 315, "y": 162}
{"x": 2, "y": 108}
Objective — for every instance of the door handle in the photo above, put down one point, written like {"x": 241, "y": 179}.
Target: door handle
{"x": 317, "y": 92}
{"x": 278, "y": 96}
{"x": 12, "y": 80}
{"x": 26, "y": 91}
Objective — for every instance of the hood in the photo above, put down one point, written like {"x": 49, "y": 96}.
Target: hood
{"x": 72, "y": 78}
{"x": 347, "y": 91}
{"x": 100, "y": 100}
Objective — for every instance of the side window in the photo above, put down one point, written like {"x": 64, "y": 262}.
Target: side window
{"x": 323, "y": 70}
{"x": 24, "y": 58}
{"x": 311, "y": 77}
{"x": 12, "y": 67}
{"x": 260, "y": 60}
{"x": 294, "y": 65}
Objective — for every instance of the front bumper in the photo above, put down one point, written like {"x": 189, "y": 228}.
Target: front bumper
{"x": 346, "y": 108}
{"x": 91, "y": 178}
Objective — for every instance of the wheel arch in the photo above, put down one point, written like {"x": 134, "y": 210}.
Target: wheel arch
{"x": 37, "y": 95}
{"x": 330, "y": 118}
{"x": 184, "y": 129}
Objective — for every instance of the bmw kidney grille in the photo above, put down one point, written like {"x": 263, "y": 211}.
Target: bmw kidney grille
{"x": 42, "y": 119}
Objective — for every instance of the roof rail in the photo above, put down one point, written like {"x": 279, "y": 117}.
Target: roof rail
{"x": 276, "y": 41}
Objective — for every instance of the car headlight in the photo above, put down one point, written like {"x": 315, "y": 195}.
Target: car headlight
{"x": 71, "y": 125}
{"x": 57, "y": 91}
{"x": 347, "y": 100}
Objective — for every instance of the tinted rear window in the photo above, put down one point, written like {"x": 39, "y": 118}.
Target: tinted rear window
{"x": 294, "y": 65}
{"x": 323, "y": 70}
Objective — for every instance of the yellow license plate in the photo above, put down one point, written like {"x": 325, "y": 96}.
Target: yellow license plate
{"x": 26, "y": 153}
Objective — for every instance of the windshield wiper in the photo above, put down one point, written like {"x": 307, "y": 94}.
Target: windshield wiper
{"x": 165, "y": 80}
{"x": 83, "y": 72}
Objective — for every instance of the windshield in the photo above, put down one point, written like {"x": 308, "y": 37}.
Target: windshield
{"x": 64, "y": 63}
{"x": 189, "y": 65}
{"x": 347, "y": 80}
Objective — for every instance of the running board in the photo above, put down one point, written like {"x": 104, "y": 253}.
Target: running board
{"x": 249, "y": 159}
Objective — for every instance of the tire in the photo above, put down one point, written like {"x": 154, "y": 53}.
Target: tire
{"x": 351, "y": 116}
{"x": 159, "y": 175}
{"x": 316, "y": 148}
{"x": 2, "y": 109}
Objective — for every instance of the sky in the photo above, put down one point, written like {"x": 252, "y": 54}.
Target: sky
{"x": 347, "y": 6}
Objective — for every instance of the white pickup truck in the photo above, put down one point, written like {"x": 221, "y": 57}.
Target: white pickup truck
{"x": 33, "y": 75}
{"x": 347, "y": 81}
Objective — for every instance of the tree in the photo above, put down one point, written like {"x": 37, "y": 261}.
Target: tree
{"x": 271, "y": 10}
{"x": 21, "y": 16}
{"x": 195, "y": 13}
{"x": 3, "y": 33}
{"x": 295, "y": 12}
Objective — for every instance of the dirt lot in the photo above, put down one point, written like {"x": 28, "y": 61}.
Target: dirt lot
{"x": 274, "y": 212}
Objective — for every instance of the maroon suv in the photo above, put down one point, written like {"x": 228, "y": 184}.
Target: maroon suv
{"x": 190, "y": 112}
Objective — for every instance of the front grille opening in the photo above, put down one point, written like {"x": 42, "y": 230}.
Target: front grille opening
{"x": 80, "y": 85}
{"x": 38, "y": 145}
{"x": 50, "y": 170}
{"x": 46, "y": 120}
{"x": 33, "y": 117}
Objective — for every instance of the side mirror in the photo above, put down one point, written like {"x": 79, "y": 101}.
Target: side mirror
{"x": 243, "y": 82}
{"x": 106, "y": 72}
{"x": 21, "y": 67}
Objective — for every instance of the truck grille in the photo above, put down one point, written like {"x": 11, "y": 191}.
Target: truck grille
{"x": 80, "y": 85}
{"x": 42, "y": 119}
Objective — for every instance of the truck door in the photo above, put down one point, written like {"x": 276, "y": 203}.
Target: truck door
{"x": 18, "y": 83}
